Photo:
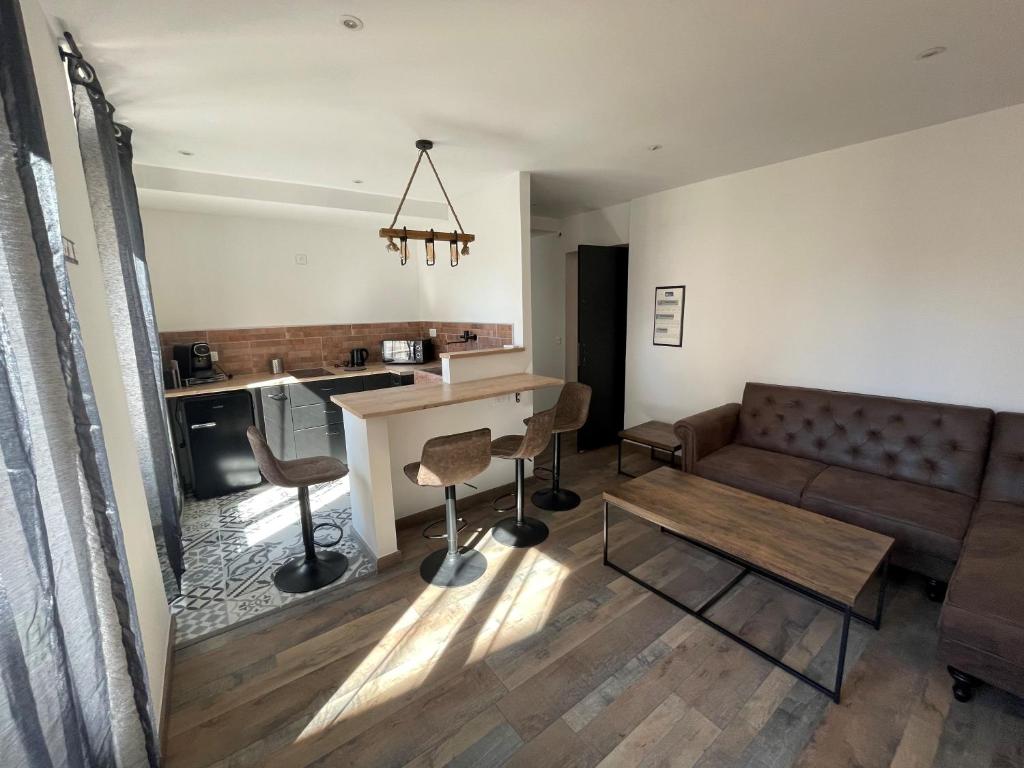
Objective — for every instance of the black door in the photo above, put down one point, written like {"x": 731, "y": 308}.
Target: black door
{"x": 603, "y": 272}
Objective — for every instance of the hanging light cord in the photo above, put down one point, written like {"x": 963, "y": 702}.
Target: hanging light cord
{"x": 443, "y": 191}
{"x": 407, "y": 185}
{"x": 439, "y": 183}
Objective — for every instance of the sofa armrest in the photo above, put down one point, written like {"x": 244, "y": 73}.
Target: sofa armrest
{"x": 706, "y": 432}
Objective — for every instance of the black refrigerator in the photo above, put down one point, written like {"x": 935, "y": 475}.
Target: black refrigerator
{"x": 219, "y": 453}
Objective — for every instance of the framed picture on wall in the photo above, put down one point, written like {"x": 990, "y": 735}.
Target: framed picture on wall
{"x": 669, "y": 301}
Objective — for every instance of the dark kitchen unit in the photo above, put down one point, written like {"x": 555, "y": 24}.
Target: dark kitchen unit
{"x": 220, "y": 458}
{"x": 299, "y": 420}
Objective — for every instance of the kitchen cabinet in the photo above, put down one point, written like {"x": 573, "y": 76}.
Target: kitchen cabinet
{"x": 300, "y": 421}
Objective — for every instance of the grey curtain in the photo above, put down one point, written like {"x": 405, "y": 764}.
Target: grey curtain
{"x": 73, "y": 687}
{"x": 107, "y": 159}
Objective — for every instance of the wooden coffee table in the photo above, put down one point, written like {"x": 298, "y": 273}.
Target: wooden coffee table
{"x": 826, "y": 560}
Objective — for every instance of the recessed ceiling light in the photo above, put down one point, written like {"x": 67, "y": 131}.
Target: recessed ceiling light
{"x": 185, "y": 153}
{"x": 927, "y": 54}
{"x": 654, "y": 147}
{"x": 351, "y": 23}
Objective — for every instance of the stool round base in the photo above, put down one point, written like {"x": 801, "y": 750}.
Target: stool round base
{"x": 442, "y": 571}
{"x": 553, "y": 500}
{"x": 301, "y": 575}
{"x": 511, "y": 533}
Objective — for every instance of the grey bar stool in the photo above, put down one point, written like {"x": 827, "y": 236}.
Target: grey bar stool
{"x": 444, "y": 463}
{"x": 522, "y": 531}
{"x": 312, "y": 569}
{"x": 571, "y": 413}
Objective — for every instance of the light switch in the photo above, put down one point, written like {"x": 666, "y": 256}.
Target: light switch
{"x": 300, "y": 259}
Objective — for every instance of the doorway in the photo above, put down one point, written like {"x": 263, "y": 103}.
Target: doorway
{"x": 601, "y": 290}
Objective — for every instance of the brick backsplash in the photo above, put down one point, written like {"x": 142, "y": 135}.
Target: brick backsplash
{"x": 250, "y": 350}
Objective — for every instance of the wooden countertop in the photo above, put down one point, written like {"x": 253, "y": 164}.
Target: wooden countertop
{"x": 482, "y": 352}
{"x": 419, "y": 397}
{"x": 257, "y": 380}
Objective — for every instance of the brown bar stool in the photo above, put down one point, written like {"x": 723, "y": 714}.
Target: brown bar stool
{"x": 445, "y": 462}
{"x": 313, "y": 569}
{"x": 571, "y": 413}
{"x": 522, "y": 531}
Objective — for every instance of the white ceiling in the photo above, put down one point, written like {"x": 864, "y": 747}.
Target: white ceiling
{"x": 573, "y": 91}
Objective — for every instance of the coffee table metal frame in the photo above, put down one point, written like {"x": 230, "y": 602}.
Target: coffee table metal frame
{"x": 700, "y": 612}
{"x": 671, "y": 458}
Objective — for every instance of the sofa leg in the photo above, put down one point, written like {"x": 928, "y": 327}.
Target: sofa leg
{"x": 963, "y": 684}
{"x": 936, "y": 590}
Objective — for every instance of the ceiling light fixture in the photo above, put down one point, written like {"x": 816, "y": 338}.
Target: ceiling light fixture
{"x": 351, "y": 23}
{"x": 428, "y": 236}
{"x": 357, "y": 181}
{"x": 927, "y": 54}
{"x": 185, "y": 153}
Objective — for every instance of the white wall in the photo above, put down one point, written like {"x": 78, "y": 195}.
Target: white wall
{"x": 235, "y": 271}
{"x": 547, "y": 280}
{"x": 492, "y": 283}
{"x": 607, "y": 226}
{"x": 893, "y": 267}
{"x": 100, "y": 348}
{"x": 554, "y": 337}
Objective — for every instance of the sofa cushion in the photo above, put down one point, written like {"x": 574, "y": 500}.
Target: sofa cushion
{"x": 1004, "y": 475}
{"x": 921, "y": 519}
{"x": 765, "y": 473}
{"x": 984, "y": 608}
{"x": 943, "y": 446}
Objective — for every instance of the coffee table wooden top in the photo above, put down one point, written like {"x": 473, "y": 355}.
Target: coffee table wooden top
{"x": 656, "y": 434}
{"x": 832, "y": 558}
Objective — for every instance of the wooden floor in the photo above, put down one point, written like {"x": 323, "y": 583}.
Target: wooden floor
{"x": 553, "y": 659}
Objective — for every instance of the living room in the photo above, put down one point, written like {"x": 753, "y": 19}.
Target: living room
{"x": 700, "y": 444}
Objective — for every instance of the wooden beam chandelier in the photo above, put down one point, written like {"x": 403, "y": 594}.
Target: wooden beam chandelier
{"x": 404, "y": 235}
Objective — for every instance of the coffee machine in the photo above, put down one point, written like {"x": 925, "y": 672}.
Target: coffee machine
{"x": 195, "y": 363}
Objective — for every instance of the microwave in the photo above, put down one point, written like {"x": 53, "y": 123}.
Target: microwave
{"x": 406, "y": 351}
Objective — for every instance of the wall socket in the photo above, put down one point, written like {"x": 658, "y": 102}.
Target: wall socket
{"x": 301, "y": 259}
{"x": 214, "y": 357}
{"x": 433, "y": 333}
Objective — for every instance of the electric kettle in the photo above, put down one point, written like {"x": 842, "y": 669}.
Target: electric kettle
{"x": 358, "y": 357}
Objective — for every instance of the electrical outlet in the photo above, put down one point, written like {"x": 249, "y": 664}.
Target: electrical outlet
{"x": 214, "y": 356}
{"x": 433, "y": 333}
{"x": 301, "y": 259}
{"x": 558, "y": 340}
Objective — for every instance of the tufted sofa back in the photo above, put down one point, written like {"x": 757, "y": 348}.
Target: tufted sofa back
{"x": 1004, "y": 475}
{"x": 943, "y": 446}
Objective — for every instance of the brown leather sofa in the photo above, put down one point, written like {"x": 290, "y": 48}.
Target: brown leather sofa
{"x": 909, "y": 469}
{"x": 981, "y": 629}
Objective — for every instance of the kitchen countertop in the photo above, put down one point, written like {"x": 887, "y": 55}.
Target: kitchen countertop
{"x": 257, "y": 380}
{"x": 482, "y": 352}
{"x": 419, "y": 397}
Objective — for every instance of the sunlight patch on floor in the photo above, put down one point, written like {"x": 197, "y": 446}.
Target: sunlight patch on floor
{"x": 274, "y": 509}
{"x": 440, "y": 626}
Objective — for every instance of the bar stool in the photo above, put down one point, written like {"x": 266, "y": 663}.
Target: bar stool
{"x": 522, "y": 531}
{"x": 445, "y": 462}
{"x": 571, "y": 413}
{"x": 312, "y": 569}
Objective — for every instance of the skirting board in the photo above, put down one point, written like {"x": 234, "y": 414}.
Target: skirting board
{"x": 165, "y": 707}
{"x": 389, "y": 561}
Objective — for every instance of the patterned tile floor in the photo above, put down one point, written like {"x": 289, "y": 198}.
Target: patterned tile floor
{"x": 233, "y": 544}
